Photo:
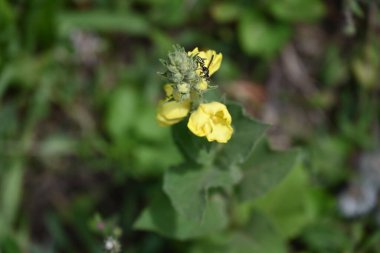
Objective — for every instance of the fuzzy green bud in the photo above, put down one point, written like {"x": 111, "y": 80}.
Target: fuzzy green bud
{"x": 180, "y": 67}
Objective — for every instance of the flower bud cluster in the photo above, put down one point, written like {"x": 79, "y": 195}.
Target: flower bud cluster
{"x": 188, "y": 74}
{"x": 181, "y": 72}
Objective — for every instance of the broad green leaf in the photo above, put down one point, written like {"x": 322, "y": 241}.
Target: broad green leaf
{"x": 187, "y": 187}
{"x": 161, "y": 217}
{"x": 327, "y": 236}
{"x": 297, "y": 10}
{"x": 247, "y": 133}
{"x": 290, "y": 204}
{"x": 103, "y": 21}
{"x": 258, "y": 235}
{"x": 259, "y": 37}
{"x": 264, "y": 170}
{"x": 192, "y": 147}
{"x": 122, "y": 112}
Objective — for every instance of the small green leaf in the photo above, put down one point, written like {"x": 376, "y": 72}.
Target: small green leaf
{"x": 247, "y": 133}
{"x": 103, "y": 21}
{"x": 122, "y": 112}
{"x": 161, "y": 217}
{"x": 297, "y": 10}
{"x": 259, "y": 37}
{"x": 264, "y": 170}
{"x": 188, "y": 186}
{"x": 10, "y": 194}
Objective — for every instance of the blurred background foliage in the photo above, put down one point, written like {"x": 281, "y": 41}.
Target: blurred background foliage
{"x": 81, "y": 153}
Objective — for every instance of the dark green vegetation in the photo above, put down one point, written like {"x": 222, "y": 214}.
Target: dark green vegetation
{"x": 81, "y": 155}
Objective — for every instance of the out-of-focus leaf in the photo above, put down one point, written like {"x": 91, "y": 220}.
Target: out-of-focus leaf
{"x": 259, "y": 37}
{"x": 256, "y": 236}
{"x": 326, "y": 236}
{"x": 323, "y": 99}
{"x": 187, "y": 187}
{"x": 247, "y": 133}
{"x": 289, "y": 205}
{"x": 334, "y": 71}
{"x": 122, "y": 112}
{"x": 154, "y": 160}
{"x": 264, "y": 170}
{"x": 162, "y": 41}
{"x": 297, "y": 10}
{"x": 174, "y": 15}
{"x": 146, "y": 125}
{"x": 102, "y": 21}
{"x": 9, "y": 245}
{"x": 331, "y": 169}
{"x": 355, "y": 7}
{"x": 225, "y": 11}
{"x": 57, "y": 145}
{"x": 41, "y": 23}
{"x": 6, "y": 13}
{"x": 10, "y": 194}
{"x": 161, "y": 217}
{"x": 6, "y": 76}
{"x": 366, "y": 65}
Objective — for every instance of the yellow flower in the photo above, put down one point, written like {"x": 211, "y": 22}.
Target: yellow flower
{"x": 212, "y": 67}
{"x": 172, "y": 112}
{"x": 213, "y": 121}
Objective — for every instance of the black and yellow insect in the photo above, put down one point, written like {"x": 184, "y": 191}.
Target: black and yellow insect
{"x": 205, "y": 69}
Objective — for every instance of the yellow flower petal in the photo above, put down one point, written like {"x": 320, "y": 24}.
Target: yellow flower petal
{"x": 207, "y": 56}
{"x": 194, "y": 52}
{"x": 199, "y": 123}
{"x": 202, "y": 85}
{"x": 221, "y": 133}
{"x": 216, "y": 61}
{"x": 172, "y": 112}
{"x": 218, "y": 111}
{"x": 168, "y": 88}
{"x": 213, "y": 121}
